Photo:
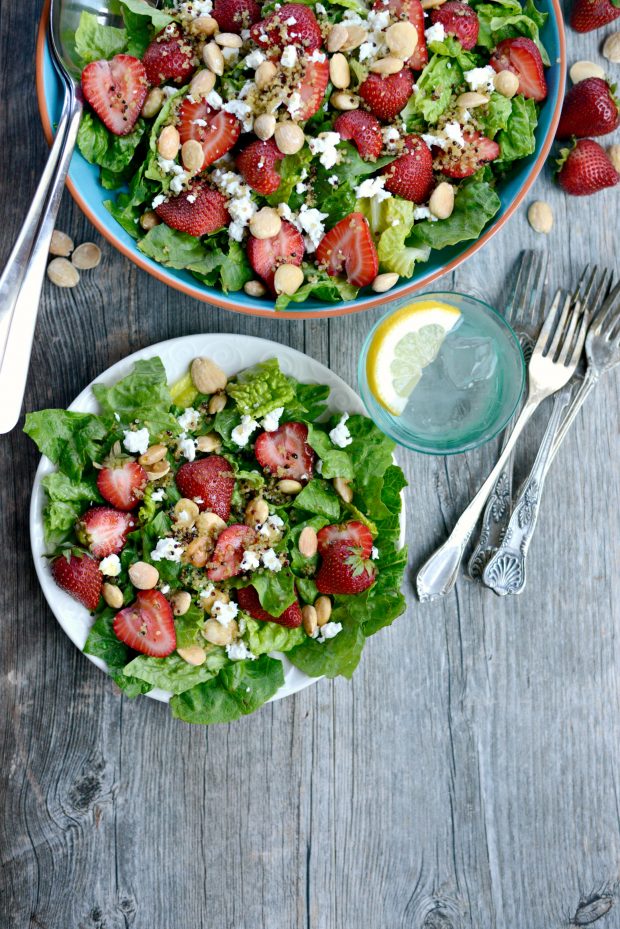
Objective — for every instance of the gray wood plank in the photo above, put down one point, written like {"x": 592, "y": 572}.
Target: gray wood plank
{"x": 466, "y": 777}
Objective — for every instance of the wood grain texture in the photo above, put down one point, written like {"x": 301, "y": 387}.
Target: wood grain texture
{"x": 466, "y": 777}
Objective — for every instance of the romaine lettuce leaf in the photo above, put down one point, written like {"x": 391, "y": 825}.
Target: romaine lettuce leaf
{"x": 260, "y": 389}
{"x": 336, "y": 461}
{"x": 518, "y": 139}
{"x": 143, "y": 395}
{"x": 435, "y": 86}
{"x": 100, "y": 146}
{"x": 103, "y": 643}
{"x": 70, "y": 440}
{"x": 142, "y": 22}
{"x": 173, "y": 673}
{"x": 319, "y": 497}
{"x": 505, "y": 19}
{"x": 263, "y": 638}
{"x": 322, "y": 287}
{"x": 495, "y": 115}
{"x": 337, "y": 656}
{"x": 179, "y": 250}
{"x": 94, "y": 41}
{"x": 66, "y": 501}
{"x": 394, "y": 255}
{"x": 239, "y": 689}
{"x": 474, "y": 205}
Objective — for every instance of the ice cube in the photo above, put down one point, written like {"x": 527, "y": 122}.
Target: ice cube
{"x": 468, "y": 361}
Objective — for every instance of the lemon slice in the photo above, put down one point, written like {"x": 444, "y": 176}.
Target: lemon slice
{"x": 403, "y": 345}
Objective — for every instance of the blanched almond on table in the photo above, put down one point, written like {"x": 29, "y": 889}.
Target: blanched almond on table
{"x": 61, "y": 244}
{"x": 582, "y": 70}
{"x": 611, "y": 48}
{"x": 86, "y": 256}
{"x": 62, "y": 273}
{"x": 540, "y": 217}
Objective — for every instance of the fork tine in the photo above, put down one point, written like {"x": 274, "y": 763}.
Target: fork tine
{"x": 576, "y": 353}
{"x": 561, "y": 326}
{"x": 549, "y": 324}
{"x": 577, "y": 314}
{"x": 602, "y": 318}
{"x": 537, "y": 292}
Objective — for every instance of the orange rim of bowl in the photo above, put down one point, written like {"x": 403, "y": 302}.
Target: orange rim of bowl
{"x": 379, "y": 300}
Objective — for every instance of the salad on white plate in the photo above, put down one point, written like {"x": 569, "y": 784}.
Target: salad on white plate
{"x": 307, "y": 150}
{"x": 217, "y": 525}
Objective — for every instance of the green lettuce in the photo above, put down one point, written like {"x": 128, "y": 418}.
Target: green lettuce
{"x": 318, "y": 497}
{"x": 100, "y": 146}
{"x": 70, "y": 440}
{"x": 435, "y": 89}
{"x": 319, "y": 286}
{"x": 261, "y": 389}
{"x": 94, "y": 41}
{"x": 143, "y": 395}
{"x": 142, "y": 21}
{"x": 239, "y": 689}
{"x": 173, "y": 673}
{"x": 337, "y": 656}
{"x": 518, "y": 138}
{"x": 275, "y": 589}
{"x": 263, "y": 638}
{"x": 336, "y": 461}
{"x": 474, "y": 205}
{"x": 395, "y": 255}
{"x": 495, "y": 115}
{"x": 505, "y": 19}
{"x": 103, "y": 643}
{"x": 67, "y": 498}
{"x": 338, "y": 201}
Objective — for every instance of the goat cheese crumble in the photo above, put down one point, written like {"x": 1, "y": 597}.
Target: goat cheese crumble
{"x": 110, "y": 566}
{"x": 136, "y": 442}
{"x": 238, "y": 651}
{"x": 340, "y": 435}
{"x": 243, "y": 431}
{"x": 167, "y": 549}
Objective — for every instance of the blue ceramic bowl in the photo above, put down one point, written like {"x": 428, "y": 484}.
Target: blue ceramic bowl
{"x": 84, "y": 185}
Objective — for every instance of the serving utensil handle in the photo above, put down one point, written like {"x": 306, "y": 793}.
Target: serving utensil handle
{"x": 438, "y": 575}
{"x": 22, "y": 278}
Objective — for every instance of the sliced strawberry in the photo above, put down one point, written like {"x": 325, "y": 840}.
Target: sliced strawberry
{"x": 349, "y": 248}
{"x": 200, "y": 210}
{"x": 79, "y": 576}
{"x": 209, "y": 482}
{"x": 463, "y": 162}
{"x": 122, "y": 483}
{"x": 521, "y": 56}
{"x": 147, "y": 625}
{"x": 365, "y": 131}
{"x": 285, "y": 452}
{"x": 411, "y": 175}
{"x": 387, "y": 96}
{"x": 312, "y": 87}
{"x": 216, "y": 130}
{"x": 266, "y": 255}
{"x": 169, "y": 57}
{"x": 355, "y": 534}
{"x": 249, "y": 602}
{"x": 586, "y": 169}
{"x": 257, "y": 163}
{"x": 344, "y": 571}
{"x": 235, "y": 15}
{"x": 228, "y": 554}
{"x": 104, "y": 530}
{"x": 460, "y": 20}
{"x": 587, "y": 15}
{"x": 589, "y": 109}
{"x": 292, "y": 24}
{"x": 116, "y": 90}
{"x": 409, "y": 10}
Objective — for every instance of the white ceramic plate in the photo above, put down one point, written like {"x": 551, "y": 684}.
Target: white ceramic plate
{"x": 232, "y": 353}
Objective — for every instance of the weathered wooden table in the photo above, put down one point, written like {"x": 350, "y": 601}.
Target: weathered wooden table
{"x": 466, "y": 777}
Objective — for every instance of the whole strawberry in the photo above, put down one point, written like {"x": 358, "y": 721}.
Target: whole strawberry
{"x": 589, "y": 109}
{"x": 411, "y": 175}
{"x": 199, "y": 210}
{"x": 345, "y": 565}
{"x": 586, "y": 169}
{"x": 78, "y": 575}
{"x": 592, "y": 14}
{"x": 169, "y": 57}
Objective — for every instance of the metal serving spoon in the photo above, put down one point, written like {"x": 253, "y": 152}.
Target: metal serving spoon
{"x": 22, "y": 278}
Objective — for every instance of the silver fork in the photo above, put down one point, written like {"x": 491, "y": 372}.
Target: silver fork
{"x": 522, "y": 312}
{"x": 506, "y": 571}
{"x": 551, "y": 366}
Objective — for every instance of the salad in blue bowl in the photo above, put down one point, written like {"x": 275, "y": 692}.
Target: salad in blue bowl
{"x": 310, "y": 157}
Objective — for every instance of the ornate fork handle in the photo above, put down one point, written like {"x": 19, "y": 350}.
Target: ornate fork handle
{"x": 505, "y": 571}
{"x": 499, "y": 506}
